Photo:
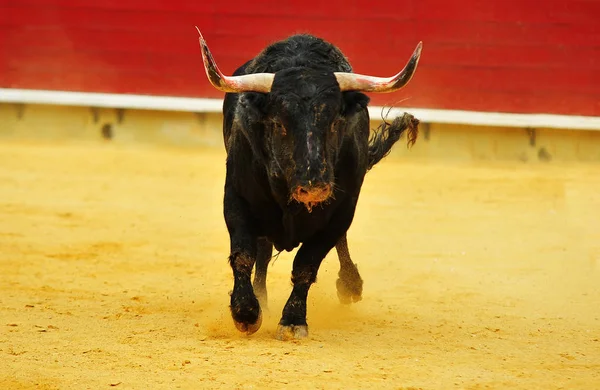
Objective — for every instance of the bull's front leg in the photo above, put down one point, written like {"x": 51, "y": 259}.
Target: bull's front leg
{"x": 244, "y": 306}
{"x": 293, "y": 323}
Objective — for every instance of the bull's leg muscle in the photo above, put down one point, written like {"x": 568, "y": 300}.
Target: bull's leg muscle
{"x": 349, "y": 284}
{"x": 306, "y": 265}
{"x": 263, "y": 257}
{"x": 245, "y": 308}
{"x": 293, "y": 323}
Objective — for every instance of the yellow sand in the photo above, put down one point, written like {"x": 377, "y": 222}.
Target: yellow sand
{"x": 114, "y": 274}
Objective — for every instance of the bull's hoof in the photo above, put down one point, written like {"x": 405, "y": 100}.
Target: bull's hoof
{"x": 249, "y": 328}
{"x": 349, "y": 292}
{"x": 246, "y": 313}
{"x": 291, "y": 332}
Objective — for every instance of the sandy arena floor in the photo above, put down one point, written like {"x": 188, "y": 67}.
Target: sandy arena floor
{"x": 113, "y": 274}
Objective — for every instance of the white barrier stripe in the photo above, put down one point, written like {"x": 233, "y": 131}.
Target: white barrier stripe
{"x": 169, "y": 103}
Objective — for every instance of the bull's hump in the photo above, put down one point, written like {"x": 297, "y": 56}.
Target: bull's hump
{"x": 301, "y": 50}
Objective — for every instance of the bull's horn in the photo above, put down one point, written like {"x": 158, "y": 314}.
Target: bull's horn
{"x": 359, "y": 82}
{"x": 256, "y": 82}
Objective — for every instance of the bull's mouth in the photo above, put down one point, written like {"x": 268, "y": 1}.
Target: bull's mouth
{"x": 311, "y": 196}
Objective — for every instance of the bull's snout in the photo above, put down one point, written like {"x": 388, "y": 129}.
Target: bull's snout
{"x": 312, "y": 193}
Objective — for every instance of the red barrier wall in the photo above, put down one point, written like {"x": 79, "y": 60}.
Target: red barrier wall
{"x": 523, "y": 56}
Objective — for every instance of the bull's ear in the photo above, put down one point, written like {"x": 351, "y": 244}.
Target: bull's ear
{"x": 354, "y": 101}
{"x": 254, "y": 105}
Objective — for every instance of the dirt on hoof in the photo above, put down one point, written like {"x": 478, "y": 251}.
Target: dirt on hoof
{"x": 348, "y": 295}
{"x": 291, "y": 332}
{"x": 249, "y": 328}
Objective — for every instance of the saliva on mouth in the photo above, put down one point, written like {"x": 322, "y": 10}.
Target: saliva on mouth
{"x": 312, "y": 204}
{"x": 309, "y": 206}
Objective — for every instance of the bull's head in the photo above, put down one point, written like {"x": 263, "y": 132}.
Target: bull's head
{"x": 303, "y": 117}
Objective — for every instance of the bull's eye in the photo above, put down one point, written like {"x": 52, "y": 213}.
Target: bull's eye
{"x": 279, "y": 128}
{"x": 335, "y": 125}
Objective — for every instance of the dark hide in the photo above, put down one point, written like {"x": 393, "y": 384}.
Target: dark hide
{"x": 304, "y": 134}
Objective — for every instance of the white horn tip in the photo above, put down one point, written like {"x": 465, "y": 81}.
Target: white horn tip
{"x": 201, "y": 37}
{"x": 419, "y": 48}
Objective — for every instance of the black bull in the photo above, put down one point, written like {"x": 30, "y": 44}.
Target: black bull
{"x": 296, "y": 131}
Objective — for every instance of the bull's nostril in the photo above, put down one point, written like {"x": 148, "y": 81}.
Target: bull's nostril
{"x": 312, "y": 194}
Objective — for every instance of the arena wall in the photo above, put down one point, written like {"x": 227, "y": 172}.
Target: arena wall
{"x": 517, "y": 56}
{"x": 452, "y": 142}
{"x": 486, "y": 61}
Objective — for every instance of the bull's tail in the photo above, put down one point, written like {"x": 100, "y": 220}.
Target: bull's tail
{"x": 387, "y": 134}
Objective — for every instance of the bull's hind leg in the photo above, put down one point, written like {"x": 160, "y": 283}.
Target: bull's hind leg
{"x": 245, "y": 308}
{"x": 263, "y": 257}
{"x": 349, "y": 284}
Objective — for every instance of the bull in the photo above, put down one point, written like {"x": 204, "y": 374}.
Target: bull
{"x": 298, "y": 144}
